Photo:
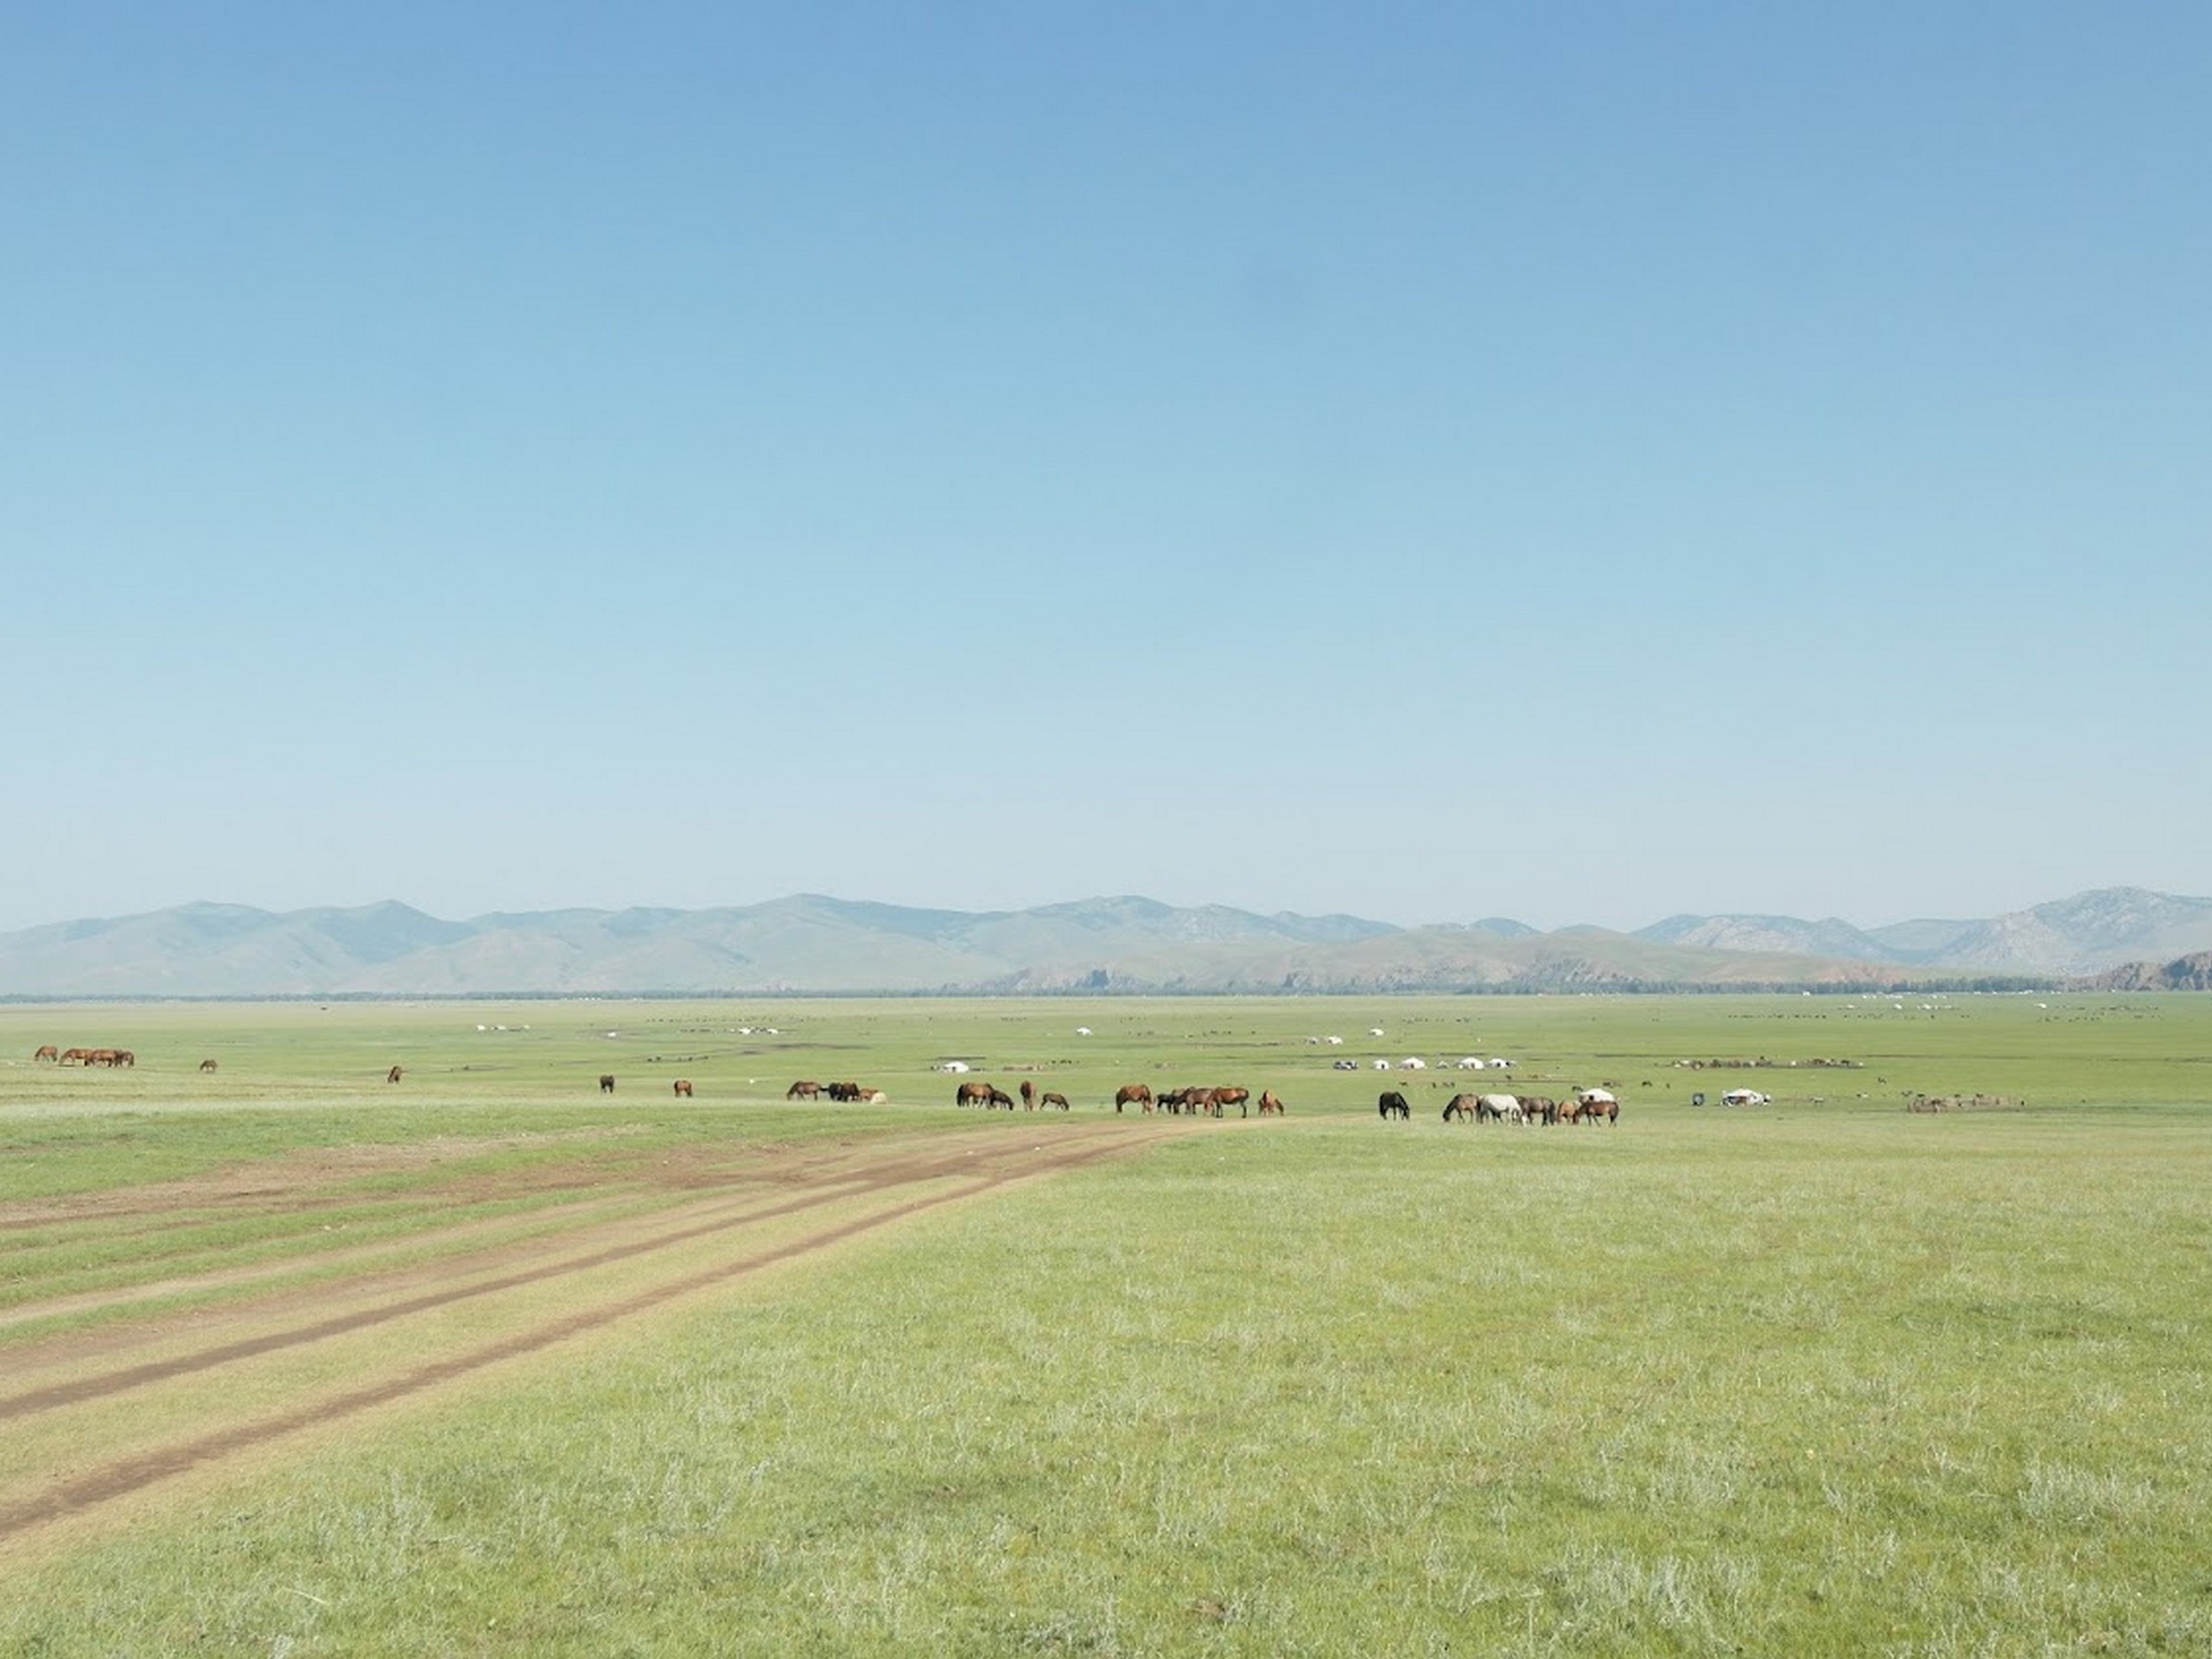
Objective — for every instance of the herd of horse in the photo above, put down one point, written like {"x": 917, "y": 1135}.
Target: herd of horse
{"x": 1210, "y": 1102}
{"x": 1582, "y": 1106}
{"x": 85, "y": 1056}
{"x": 807, "y": 1088}
{"x": 1206, "y": 1103}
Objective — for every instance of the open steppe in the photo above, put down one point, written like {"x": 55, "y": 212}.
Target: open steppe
{"x": 295, "y": 1360}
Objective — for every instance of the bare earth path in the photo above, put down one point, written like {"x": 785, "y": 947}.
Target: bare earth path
{"x": 92, "y": 1420}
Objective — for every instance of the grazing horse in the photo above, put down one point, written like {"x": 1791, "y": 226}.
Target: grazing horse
{"x": 81, "y": 1056}
{"x": 1269, "y": 1102}
{"x": 1501, "y": 1109}
{"x": 1461, "y": 1107}
{"x": 683, "y": 1087}
{"x": 1390, "y": 1104}
{"x": 1171, "y": 1100}
{"x": 394, "y": 1075}
{"x": 123, "y": 1057}
{"x": 1232, "y": 1096}
{"x": 805, "y": 1089}
{"x": 207, "y": 1065}
{"x": 107, "y": 1057}
{"x": 1050, "y": 1097}
{"x": 1539, "y": 1109}
{"x": 1591, "y": 1104}
{"x": 842, "y": 1091}
{"x": 999, "y": 1097}
{"x": 1133, "y": 1091}
{"x": 47, "y": 1052}
{"x": 1028, "y": 1096}
{"x": 973, "y": 1094}
{"x": 606, "y": 1083}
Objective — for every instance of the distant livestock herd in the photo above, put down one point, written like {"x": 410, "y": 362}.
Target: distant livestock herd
{"x": 1581, "y": 1105}
{"x": 807, "y": 1088}
{"x": 1195, "y": 1101}
{"x": 85, "y": 1056}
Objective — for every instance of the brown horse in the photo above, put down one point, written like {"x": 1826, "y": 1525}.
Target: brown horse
{"x": 1028, "y": 1096}
{"x": 394, "y": 1075}
{"x": 1591, "y": 1104}
{"x": 805, "y": 1089}
{"x": 999, "y": 1097}
{"x": 683, "y": 1087}
{"x": 606, "y": 1083}
{"x": 1050, "y": 1098}
{"x": 123, "y": 1057}
{"x": 207, "y": 1065}
{"x": 103, "y": 1057}
{"x": 1133, "y": 1091}
{"x": 1232, "y": 1097}
{"x": 48, "y": 1052}
{"x": 973, "y": 1094}
{"x": 1461, "y": 1107}
{"x": 79, "y": 1055}
{"x": 1269, "y": 1102}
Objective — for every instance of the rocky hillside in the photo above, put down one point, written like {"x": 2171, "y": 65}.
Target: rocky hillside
{"x": 2190, "y": 973}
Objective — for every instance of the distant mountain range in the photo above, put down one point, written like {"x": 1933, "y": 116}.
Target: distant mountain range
{"x": 817, "y": 945}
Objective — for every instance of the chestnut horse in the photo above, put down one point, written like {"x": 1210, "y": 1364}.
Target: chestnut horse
{"x": 683, "y": 1087}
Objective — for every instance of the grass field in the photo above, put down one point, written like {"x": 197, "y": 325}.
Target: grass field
{"x": 293, "y": 1360}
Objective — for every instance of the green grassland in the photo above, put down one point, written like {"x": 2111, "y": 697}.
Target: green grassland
{"x": 1819, "y": 1377}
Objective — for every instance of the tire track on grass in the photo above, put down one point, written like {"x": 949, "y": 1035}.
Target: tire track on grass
{"x": 105, "y": 1384}
{"x": 404, "y": 1252}
{"x": 75, "y": 1495}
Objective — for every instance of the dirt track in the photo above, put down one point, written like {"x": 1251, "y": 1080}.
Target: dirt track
{"x": 96, "y": 1418}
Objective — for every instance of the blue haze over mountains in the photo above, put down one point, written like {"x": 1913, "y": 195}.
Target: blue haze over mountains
{"x": 815, "y": 944}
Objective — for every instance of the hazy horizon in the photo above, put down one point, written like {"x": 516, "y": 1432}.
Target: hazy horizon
{"x": 1580, "y": 464}
{"x": 1863, "y": 923}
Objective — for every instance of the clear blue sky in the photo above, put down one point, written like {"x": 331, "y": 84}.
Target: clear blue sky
{"x": 1573, "y": 461}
